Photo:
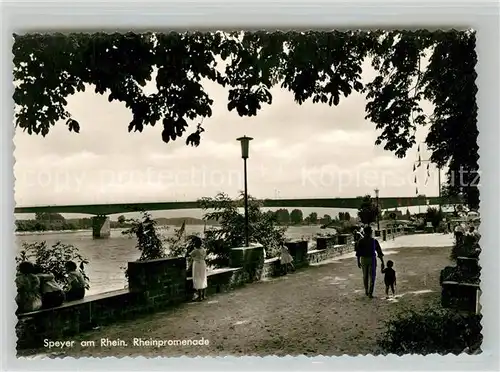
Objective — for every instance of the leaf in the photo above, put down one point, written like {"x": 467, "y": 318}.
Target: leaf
{"x": 73, "y": 125}
{"x": 316, "y": 66}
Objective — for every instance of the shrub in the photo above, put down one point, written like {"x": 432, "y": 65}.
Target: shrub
{"x": 149, "y": 238}
{"x": 368, "y": 210}
{"x": 180, "y": 246}
{"x": 434, "y": 216}
{"x": 263, "y": 227}
{"x": 467, "y": 247}
{"x": 434, "y": 330}
{"x": 51, "y": 259}
{"x": 454, "y": 274}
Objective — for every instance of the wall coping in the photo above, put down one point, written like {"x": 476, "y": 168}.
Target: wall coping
{"x": 250, "y": 247}
{"x": 219, "y": 271}
{"x": 467, "y": 258}
{"x": 271, "y": 260}
{"x": 323, "y": 250}
{"x": 84, "y": 300}
{"x": 316, "y": 251}
{"x": 137, "y": 262}
{"x": 461, "y": 283}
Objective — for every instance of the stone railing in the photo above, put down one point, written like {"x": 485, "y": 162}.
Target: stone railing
{"x": 157, "y": 284}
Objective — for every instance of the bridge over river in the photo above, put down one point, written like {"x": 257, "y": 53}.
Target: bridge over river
{"x": 101, "y": 211}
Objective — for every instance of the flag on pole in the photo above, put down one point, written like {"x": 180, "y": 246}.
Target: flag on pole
{"x": 180, "y": 232}
{"x": 414, "y": 169}
{"x": 416, "y": 191}
{"x": 183, "y": 228}
{"x": 415, "y": 179}
{"x": 418, "y": 149}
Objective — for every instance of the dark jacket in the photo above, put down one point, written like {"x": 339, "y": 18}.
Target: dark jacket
{"x": 368, "y": 247}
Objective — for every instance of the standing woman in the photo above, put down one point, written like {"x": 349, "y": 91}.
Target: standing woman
{"x": 198, "y": 256}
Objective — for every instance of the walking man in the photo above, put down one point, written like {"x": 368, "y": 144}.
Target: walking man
{"x": 367, "y": 250}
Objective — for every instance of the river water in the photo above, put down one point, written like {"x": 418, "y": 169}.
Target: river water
{"x": 108, "y": 256}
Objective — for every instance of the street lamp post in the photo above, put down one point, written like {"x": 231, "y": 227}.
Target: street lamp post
{"x": 376, "y": 198}
{"x": 245, "y": 142}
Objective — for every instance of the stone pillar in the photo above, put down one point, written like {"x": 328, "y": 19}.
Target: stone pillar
{"x": 250, "y": 259}
{"x": 101, "y": 227}
{"x": 343, "y": 239}
{"x": 298, "y": 250}
{"x": 162, "y": 282}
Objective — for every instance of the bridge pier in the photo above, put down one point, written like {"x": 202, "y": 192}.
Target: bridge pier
{"x": 101, "y": 227}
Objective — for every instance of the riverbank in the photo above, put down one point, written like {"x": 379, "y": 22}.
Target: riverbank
{"x": 320, "y": 310}
{"x": 21, "y": 233}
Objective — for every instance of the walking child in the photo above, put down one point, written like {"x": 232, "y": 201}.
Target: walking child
{"x": 286, "y": 259}
{"x": 389, "y": 278}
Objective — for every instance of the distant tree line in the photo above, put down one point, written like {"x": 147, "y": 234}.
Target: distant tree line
{"x": 56, "y": 222}
{"x": 45, "y": 221}
{"x": 52, "y": 222}
{"x": 296, "y": 217}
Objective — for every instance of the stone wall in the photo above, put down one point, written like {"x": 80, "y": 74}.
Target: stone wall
{"x": 153, "y": 285}
{"x": 250, "y": 259}
{"x": 218, "y": 281}
{"x": 161, "y": 282}
{"x": 157, "y": 284}
{"x": 298, "y": 250}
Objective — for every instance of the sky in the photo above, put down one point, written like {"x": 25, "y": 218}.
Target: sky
{"x": 298, "y": 151}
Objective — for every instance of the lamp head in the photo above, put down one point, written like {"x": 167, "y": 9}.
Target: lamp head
{"x": 245, "y": 141}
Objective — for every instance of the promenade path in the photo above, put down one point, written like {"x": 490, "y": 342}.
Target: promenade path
{"x": 320, "y": 310}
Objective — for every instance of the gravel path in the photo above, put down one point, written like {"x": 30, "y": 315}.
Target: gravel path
{"x": 320, "y": 310}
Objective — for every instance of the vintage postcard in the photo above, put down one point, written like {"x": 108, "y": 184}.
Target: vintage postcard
{"x": 247, "y": 193}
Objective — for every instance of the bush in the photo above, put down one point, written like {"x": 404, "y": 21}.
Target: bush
{"x": 263, "y": 228}
{"x": 51, "y": 259}
{"x": 454, "y": 274}
{"x": 467, "y": 247}
{"x": 434, "y": 216}
{"x": 149, "y": 239}
{"x": 435, "y": 330}
{"x": 180, "y": 246}
{"x": 346, "y": 227}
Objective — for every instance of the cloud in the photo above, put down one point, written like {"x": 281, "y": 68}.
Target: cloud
{"x": 308, "y": 150}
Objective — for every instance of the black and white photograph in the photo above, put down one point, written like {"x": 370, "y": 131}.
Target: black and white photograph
{"x": 247, "y": 193}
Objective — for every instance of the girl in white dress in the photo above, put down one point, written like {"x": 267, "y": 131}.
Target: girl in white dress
{"x": 198, "y": 256}
{"x": 286, "y": 259}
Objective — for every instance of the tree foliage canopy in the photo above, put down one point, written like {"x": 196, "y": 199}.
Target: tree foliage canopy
{"x": 317, "y": 66}
{"x": 263, "y": 227}
{"x": 368, "y": 210}
{"x": 434, "y": 216}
